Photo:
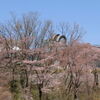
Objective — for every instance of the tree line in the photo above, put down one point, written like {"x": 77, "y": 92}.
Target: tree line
{"x": 38, "y": 67}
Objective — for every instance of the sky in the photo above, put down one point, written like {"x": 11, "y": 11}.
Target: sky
{"x": 84, "y": 12}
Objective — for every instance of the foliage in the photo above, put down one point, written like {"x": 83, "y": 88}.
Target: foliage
{"x": 43, "y": 69}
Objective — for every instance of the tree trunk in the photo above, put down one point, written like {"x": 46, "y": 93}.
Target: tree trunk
{"x": 40, "y": 93}
{"x": 13, "y": 72}
{"x": 26, "y": 78}
{"x": 96, "y": 83}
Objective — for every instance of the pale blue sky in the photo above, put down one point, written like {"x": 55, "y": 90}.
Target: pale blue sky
{"x": 84, "y": 12}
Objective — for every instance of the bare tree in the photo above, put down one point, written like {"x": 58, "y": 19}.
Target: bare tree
{"x": 28, "y": 30}
{"x": 72, "y": 32}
